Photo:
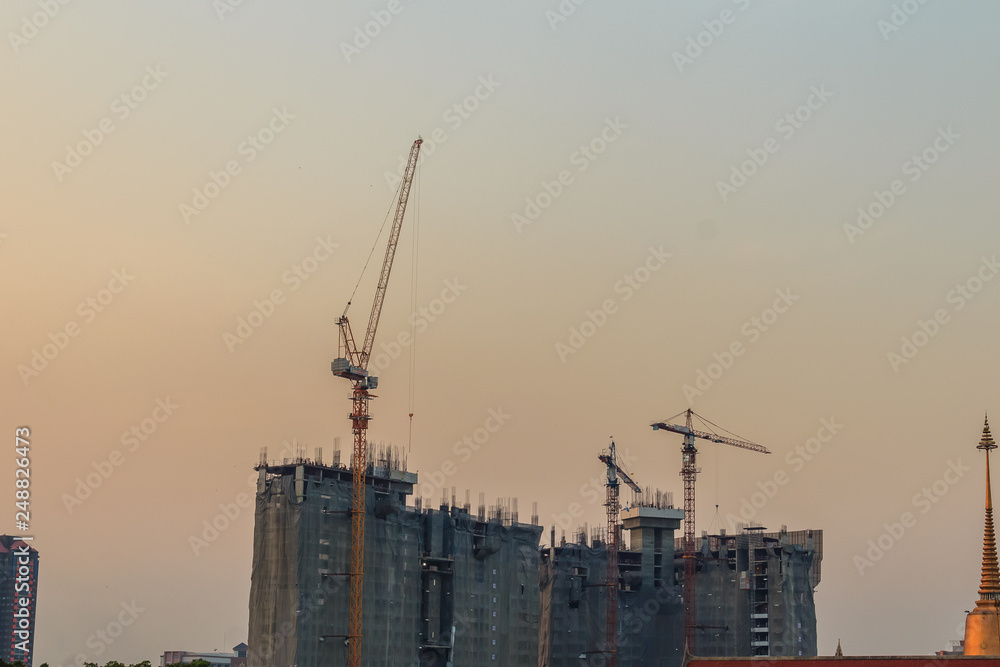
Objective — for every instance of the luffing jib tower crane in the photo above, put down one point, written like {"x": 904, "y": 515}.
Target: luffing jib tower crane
{"x": 689, "y": 471}
{"x": 610, "y": 459}
{"x": 352, "y": 363}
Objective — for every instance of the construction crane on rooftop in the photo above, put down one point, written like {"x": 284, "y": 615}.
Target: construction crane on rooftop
{"x": 610, "y": 459}
{"x": 352, "y": 363}
{"x": 689, "y": 471}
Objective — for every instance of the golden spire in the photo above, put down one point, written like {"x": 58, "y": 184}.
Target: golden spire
{"x": 840, "y": 651}
{"x": 989, "y": 587}
{"x": 982, "y": 625}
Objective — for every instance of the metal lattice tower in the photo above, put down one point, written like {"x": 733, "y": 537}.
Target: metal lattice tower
{"x": 689, "y": 472}
{"x": 353, "y": 365}
{"x": 610, "y": 459}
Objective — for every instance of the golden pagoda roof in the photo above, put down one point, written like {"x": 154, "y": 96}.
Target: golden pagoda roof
{"x": 982, "y": 625}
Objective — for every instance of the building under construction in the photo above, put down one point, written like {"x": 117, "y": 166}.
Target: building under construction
{"x": 450, "y": 586}
{"x": 754, "y": 594}
{"x": 442, "y": 586}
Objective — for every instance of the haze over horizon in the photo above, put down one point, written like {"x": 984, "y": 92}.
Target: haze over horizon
{"x": 778, "y": 214}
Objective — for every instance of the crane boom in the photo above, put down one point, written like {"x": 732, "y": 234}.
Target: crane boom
{"x": 390, "y": 253}
{"x": 689, "y": 472}
{"x": 353, "y": 365}
{"x": 711, "y": 437}
{"x": 609, "y": 461}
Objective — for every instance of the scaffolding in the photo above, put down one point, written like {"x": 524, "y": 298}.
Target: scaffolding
{"x": 442, "y": 586}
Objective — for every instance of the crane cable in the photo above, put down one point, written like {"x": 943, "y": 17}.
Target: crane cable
{"x": 413, "y": 308}
{"x": 374, "y": 245}
{"x": 707, "y": 422}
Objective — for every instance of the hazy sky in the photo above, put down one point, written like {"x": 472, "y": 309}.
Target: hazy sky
{"x": 716, "y": 153}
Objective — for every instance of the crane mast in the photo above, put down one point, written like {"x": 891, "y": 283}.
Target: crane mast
{"x": 610, "y": 459}
{"x": 352, "y": 364}
{"x": 689, "y": 473}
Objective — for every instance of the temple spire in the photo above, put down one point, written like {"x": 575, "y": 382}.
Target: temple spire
{"x": 982, "y": 625}
{"x": 989, "y": 587}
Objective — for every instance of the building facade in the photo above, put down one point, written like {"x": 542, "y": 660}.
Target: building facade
{"x": 18, "y": 595}
{"x": 442, "y": 586}
{"x": 237, "y": 658}
{"x": 753, "y": 595}
{"x": 447, "y": 586}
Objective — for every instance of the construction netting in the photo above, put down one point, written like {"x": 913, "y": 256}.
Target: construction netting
{"x": 440, "y": 588}
{"x": 573, "y": 630}
{"x": 447, "y": 588}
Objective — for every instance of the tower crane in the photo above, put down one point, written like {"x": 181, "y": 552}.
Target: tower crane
{"x": 689, "y": 471}
{"x": 610, "y": 459}
{"x": 352, "y": 363}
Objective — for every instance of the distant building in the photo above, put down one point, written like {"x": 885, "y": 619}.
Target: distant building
{"x": 981, "y": 645}
{"x": 957, "y": 648}
{"x": 238, "y": 658}
{"x": 455, "y": 586}
{"x": 754, "y": 594}
{"x": 443, "y": 586}
{"x": 852, "y": 661}
{"x": 241, "y": 655}
{"x": 18, "y": 593}
{"x": 573, "y": 576}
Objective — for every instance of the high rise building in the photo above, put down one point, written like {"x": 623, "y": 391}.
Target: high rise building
{"x": 18, "y": 593}
{"x": 754, "y": 594}
{"x": 442, "y": 586}
{"x": 455, "y": 586}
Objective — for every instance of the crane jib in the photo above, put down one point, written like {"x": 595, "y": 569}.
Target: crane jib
{"x": 390, "y": 253}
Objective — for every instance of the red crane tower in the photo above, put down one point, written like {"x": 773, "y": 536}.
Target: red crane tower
{"x": 352, "y": 363}
{"x": 689, "y": 471}
{"x": 610, "y": 459}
